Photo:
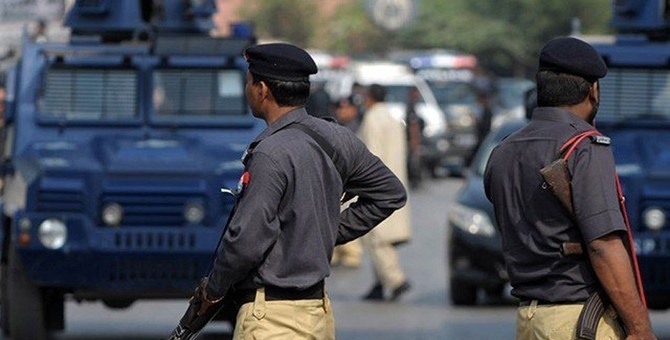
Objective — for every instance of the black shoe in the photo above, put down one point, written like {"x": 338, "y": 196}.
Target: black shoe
{"x": 402, "y": 289}
{"x": 376, "y": 293}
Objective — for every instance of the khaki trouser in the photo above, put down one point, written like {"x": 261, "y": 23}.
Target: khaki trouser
{"x": 548, "y": 322}
{"x": 384, "y": 260}
{"x": 348, "y": 254}
{"x": 285, "y": 319}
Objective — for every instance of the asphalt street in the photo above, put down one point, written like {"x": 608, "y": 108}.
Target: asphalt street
{"x": 423, "y": 313}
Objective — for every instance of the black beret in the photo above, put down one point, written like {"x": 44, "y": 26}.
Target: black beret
{"x": 280, "y": 61}
{"x": 572, "y": 56}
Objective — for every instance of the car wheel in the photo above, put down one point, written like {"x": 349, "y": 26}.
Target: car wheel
{"x": 462, "y": 294}
{"x": 25, "y": 303}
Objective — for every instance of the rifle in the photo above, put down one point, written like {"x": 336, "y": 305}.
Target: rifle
{"x": 192, "y": 322}
{"x": 557, "y": 177}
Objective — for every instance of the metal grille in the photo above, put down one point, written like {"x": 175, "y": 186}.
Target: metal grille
{"x": 59, "y": 201}
{"x": 142, "y": 269}
{"x": 90, "y": 94}
{"x": 171, "y": 241}
{"x": 152, "y": 209}
{"x": 657, "y": 275}
{"x": 632, "y": 93}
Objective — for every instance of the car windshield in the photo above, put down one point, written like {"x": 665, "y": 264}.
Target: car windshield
{"x": 635, "y": 94}
{"x": 204, "y": 94}
{"x": 450, "y": 93}
{"x": 399, "y": 94}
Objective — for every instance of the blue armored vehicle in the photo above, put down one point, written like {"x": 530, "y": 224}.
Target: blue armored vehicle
{"x": 635, "y": 113}
{"x": 118, "y": 143}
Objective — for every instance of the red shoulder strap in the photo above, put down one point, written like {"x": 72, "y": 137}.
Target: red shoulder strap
{"x": 572, "y": 143}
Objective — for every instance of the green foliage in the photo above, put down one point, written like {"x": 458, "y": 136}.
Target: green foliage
{"x": 291, "y": 20}
{"x": 506, "y": 35}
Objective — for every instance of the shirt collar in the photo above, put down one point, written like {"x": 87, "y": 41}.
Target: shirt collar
{"x": 555, "y": 114}
{"x": 291, "y": 117}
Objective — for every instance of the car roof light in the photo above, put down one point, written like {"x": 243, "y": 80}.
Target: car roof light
{"x": 444, "y": 61}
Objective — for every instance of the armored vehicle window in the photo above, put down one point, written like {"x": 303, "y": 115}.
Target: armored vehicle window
{"x": 635, "y": 93}
{"x": 185, "y": 93}
{"x": 89, "y": 94}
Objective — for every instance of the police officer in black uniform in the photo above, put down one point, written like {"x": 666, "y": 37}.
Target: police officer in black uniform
{"x": 533, "y": 224}
{"x": 276, "y": 252}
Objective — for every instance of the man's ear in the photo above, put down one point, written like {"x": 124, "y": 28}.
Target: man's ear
{"x": 594, "y": 91}
{"x": 263, "y": 90}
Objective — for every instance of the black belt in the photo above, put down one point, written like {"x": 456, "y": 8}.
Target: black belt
{"x": 273, "y": 293}
{"x": 526, "y": 303}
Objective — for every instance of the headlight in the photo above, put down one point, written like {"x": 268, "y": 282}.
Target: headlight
{"x": 464, "y": 120}
{"x": 460, "y": 116}
{"x": 112, "y": 214}
{"x": 473, "y": 221}
{"x": 654, "y": 218}
{"x": 52, "y": 233}
{"x": 442, "y": 145}
{"x": 194, "y": 213}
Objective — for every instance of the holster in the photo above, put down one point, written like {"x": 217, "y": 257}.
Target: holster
{"x": 557, "y": 177}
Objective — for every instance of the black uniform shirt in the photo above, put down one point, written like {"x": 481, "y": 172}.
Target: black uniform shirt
{"x": 531, "y": 220}
{"x": 288, "y": 216}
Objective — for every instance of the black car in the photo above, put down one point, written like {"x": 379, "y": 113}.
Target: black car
{"x": 474, "y": 250}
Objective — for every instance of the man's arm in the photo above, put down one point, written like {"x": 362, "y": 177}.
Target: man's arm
{"x": 611, "y": 264}
{"x": 253, "y": 229}
{"x": 379, "y": 192}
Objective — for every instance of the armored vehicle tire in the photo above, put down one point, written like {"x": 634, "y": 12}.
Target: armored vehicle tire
{"x": 4, "y": 319}
{"x": 462, "y": 293}
{"x": 24, "y": 303}
{"x": 118, "y": 303}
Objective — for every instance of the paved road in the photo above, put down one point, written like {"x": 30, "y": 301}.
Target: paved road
{"x": 424, "y": 313}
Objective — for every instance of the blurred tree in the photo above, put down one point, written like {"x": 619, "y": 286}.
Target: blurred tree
{"x": 351, "y": 31}
{"x": 290, "y": 20}
{"x": 506, "y": 35}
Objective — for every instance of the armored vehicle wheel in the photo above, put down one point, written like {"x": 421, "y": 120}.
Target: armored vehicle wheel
{"x": 4, "y": 274}
{"x": 24, "y": 303}
{"x": 4, "y": 319}
{"x": 462, "y": 294}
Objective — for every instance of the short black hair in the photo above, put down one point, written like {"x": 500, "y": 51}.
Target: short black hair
{"x": 286, "y": 93}
{"x": 377, "y": 92}
{"x": 560, "y": 89}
